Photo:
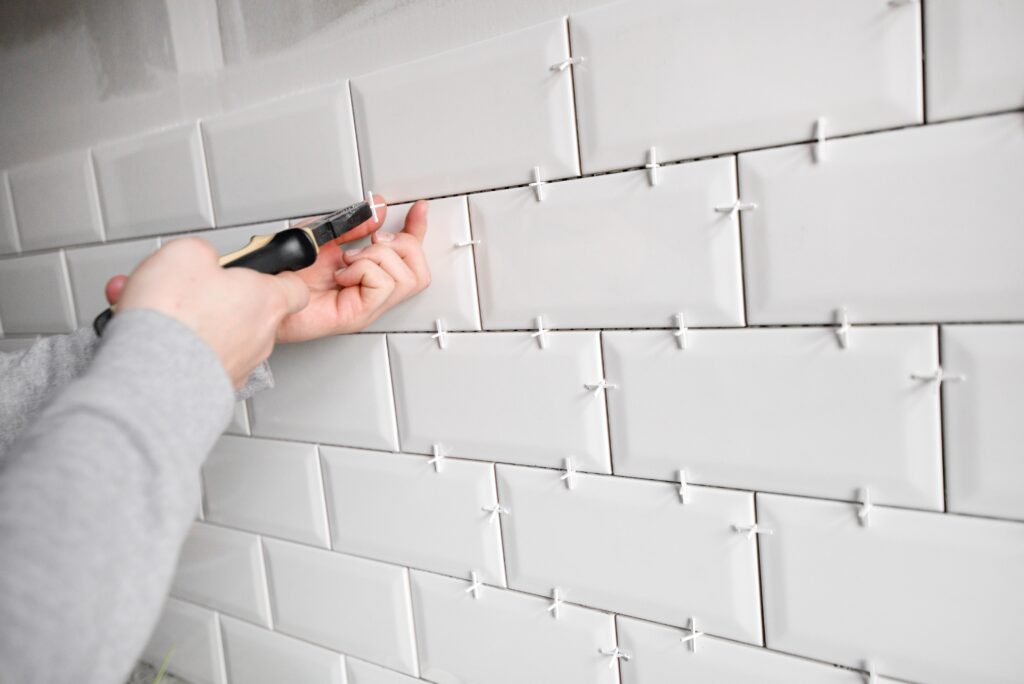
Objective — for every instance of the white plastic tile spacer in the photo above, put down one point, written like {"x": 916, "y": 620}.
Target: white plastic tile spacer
{"x": 373, "y": 205}
{"x": 495, "y": 511}
{"x": 938, "y": 376}
{"x": 680, "y": 331}
{"x": 566, "y": 63}
{"x": 738, "y": 205}
{"x": 441, "y": 335}
{"x": 864, "y": 512}
{"x": 474, "y": 585}
{"x": 467, "y": 243}
{"x": 818, "y": 150}
{"x": 652, "y": 166}
{"x": 751, "y": 530}
{"x": 601, "y": 386}
{"x": 557, "y": 599}
{"x": 684, "y": 488}
{"x": 538, "y": 184}
{"x": 842, "y": 327}
{"x": 691, "y": 639}
{"x": 569, "y": 476}
{"x": 438, "y": 458}
{"x": 615, "y": 654}
{"x": 541, "y": 335}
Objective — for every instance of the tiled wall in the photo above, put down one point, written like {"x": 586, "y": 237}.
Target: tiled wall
{"x": 720, "y": 377}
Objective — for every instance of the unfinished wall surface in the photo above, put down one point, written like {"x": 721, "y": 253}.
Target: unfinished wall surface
{"x": 720, "y": 377}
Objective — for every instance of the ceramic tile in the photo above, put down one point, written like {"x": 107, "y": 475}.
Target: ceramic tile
{"x": 451, "y": 295}
{"x": 440, "y": 524}
{"x": 55, "y": 202}
{"x": 660, "y": 655}
{"x": 223, "y": 569}
{"x": 357, "y": 606}
{"x": 485, "y": 116}
{"x": 9, "y": 243}
{"x": 933, "y": 244}
{"x": 605, "y": 544}
{"x": 193, "y": 635}
{"x": 783, "y": 66}
{"x": 499, "y": 397}
{"x": 335, "y": 390}
{"x": 651, "y": 252}
{"x": 360, "y": 672}
{"x": 504, "y": 637}
{"x": 16, "y": 344}
{"x": 266, "y": 486}
{"x": 91, "y": 267}
{"x": 257, "y": 656}
{"x": 890, "y": 593}
{"x": 288, "y": 157}
{"x": 975, "y": 57}
{"x": 154, "y": 183}
{"x": 239, "y": 420}
{"x": 816, "y": 419}
{"x": 983, "y": 430}
{"x": 35, "y": 296}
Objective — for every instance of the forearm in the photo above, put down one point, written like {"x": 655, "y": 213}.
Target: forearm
{"x": 96, "y": 497}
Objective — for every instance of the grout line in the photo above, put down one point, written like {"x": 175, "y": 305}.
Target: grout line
{"x": 394, "y": 397}
{"x": 413, "y": 632}
{"x": 221, "y": 648}
{"x": 758, "y": 564}
{"x": 476, "y": 266}
{"x": 96, "y": 198}
{"x": 617, "y": 644}
{"x": 9, "y": 196}
{"x": 323, "y": 492}
{"x": 207, "y": 175}
{"x": 572, "y": 102}
{"x": 268, "y": 581}
{"x": 739, "y": 241}
{"x": 922, "y": 60}
{"x": 501, "y": 527}
{"x": 607, "y": 407}
{"x": 942, "y": 425}
{"x": 355, "y": 139}
{"x": 68, "y": 291}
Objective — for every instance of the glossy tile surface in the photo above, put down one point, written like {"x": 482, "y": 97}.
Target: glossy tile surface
{"x": 975, "y": 57}
{"x": 500, "y": 397}
{"x": 982, "y": 419}
{"x": 91, "y": 267}
{"x": 154, "y": 183}
{"x": 633, "y": 547}
{"x": 360, "y": 672}
{"x": 783, "y": 410}
{"x": 257, "y": 656}
{"x": 500, "y": 96}
{"x": 55, "y": 201}
{"x": 612, "y": 251}
{"x": 35, "y": 296}
{"x": 660, "y": 656}
{"x": 777, "y": 68}
{"x": 844, "y": 593}
{"x": 440, "y": 523}
{"x": 194, "y": 636}
{"x": 9, "y": 243}
{"x": 935, "y": 243}
{"x": 335, "y": 390}
{"x": 223, "y": 569}
{"x": 504, "y": 637}
{"x": 353, "y": 605}
{"x": 266, "y": 486}
{"x": 292, "y": 156}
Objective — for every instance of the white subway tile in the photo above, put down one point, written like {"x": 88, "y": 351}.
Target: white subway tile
{"x": 9, "y": 243}
{"x": 983, "y": 428}
{"x": 357, "y": 606}
{"x": 35, "y": 296}
{"x": 288, "y": 157}
{"x": 239, "y": 420}
{"x": 223, "y": 569}
{"x": 360, "y": 672}
{"x": 191, "y": 636}
{"x": 91, "y": 267}
{"x": 500, "y": 397}
{"x": 451, "y": 295}
{"x": 975, "y": 58}
{"x": 612, "y": 251}
{"x": 659, "y": 654}
{"x": 266, "y": 486}
{"x": 434, "y": 520}
{"x": 15, "y": 344}
{"x": 783, "y": 410}
{"x": 478, "y": 117}
{"x": 504, "y": 637}
{"x": 704, "y": 76}
{"x": 335, "y": 390}
{"x": 154, "y": 183}
{"x": 924, "y": 596}
{"x": 257, "y": 656}
{"x": 933, "y": 243}
{"x": 633, "y": 547}
{"x": 55, "y": 201}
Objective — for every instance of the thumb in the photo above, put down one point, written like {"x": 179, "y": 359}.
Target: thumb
{"x": 295, "y": 290}
{"x": 115, "y": 286}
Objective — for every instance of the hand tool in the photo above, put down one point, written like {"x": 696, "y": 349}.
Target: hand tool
{"x": 291, "y": 249}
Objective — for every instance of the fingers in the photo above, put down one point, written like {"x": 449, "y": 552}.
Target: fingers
{"x": 416, "y": 220}
{"x": 374, "y": 285}
{"x": 392, "y": 264}
{"x": 295, "y": 291}
{"x": 114, "y": 288}
{"x": 411, "y": 252}
{"x": 367, "y": 227}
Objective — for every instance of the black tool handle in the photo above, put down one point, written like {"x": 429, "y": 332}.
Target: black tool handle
{"x": 290, "y": 250}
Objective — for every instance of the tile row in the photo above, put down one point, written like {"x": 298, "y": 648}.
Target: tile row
{"x": 825, "y": 574}
{"x": 937, "y": 243}
{"x": 628, "y": 90}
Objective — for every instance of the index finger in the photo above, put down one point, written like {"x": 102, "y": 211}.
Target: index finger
{"x": 416, "y": 220}
{"x": 360, "y": 231}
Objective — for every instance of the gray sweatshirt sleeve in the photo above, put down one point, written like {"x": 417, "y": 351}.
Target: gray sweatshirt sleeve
{"x": 96, "y": 497}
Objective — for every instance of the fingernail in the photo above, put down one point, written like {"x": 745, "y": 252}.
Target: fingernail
{"x": 353, "y": 252}
{"x": 385, "y": 237}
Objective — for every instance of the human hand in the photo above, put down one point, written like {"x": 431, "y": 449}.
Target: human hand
{"x": 235, "y": 311}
